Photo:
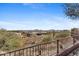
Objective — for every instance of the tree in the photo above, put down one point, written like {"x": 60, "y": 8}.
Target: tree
{"x": 72, "y": 10}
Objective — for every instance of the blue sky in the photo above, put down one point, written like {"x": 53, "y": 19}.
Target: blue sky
{"x": 29, "y": 16}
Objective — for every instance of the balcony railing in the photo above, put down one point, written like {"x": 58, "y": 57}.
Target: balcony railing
{"x": 44, "y": 49}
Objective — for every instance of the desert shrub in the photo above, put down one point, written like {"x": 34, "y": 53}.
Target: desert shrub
{"x": 46, "y": 39}
{"x": 10, "y": 40}
{"x": 62, "y": 34}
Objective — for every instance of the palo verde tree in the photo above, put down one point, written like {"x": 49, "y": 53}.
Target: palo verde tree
{"x": 72, "y": 10}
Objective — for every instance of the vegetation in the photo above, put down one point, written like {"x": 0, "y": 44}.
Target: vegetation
{"x": 74, "y": 31}
{"x": 46, "y": 39}
{"x": 62, "y": 34}
{"x": 72, "y": 10}
{"x": 9, "y": 40}
{"x": 57, "y": 35}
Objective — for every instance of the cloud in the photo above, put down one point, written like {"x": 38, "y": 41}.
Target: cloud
{"x": 36, "y": 5}
{"x": 65, "y": 23}
{"x": 11, "y": 25}
{"x": 54, "y": 22}
{"x": 43, "y": 24}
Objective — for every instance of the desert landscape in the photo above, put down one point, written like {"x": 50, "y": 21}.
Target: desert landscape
{"x": 18, "y": 39}
{"x": 39, "y": 29}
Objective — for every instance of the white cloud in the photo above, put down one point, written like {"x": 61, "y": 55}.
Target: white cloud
{"x": 54, "y": 22}
{"x": 36, "y": 5}
{"x": 11, "y": 25}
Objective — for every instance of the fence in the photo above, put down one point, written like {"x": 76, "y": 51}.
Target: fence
{"x": 45, "y": 49}
{"x": 36, "y": 50}
{"x": 71, "y": 50}
{"x": 74, "y": 50}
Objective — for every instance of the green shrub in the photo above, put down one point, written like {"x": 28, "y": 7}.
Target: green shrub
{"x": 10, "y": 40}
{"x": 46, "y": 39}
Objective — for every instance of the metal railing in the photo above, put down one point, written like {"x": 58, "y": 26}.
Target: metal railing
{"x": 36, "y": 50}
{"x": 70, "y": 51}
{"x": 44, "y": 49}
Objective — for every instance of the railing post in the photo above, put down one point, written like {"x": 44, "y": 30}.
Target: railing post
{"x": 74, "y": 44}
{"x": 74, "y": 41}
{"x": 39, "y": 50}
{"x": 14, "y": 53}
{"x": 57, "y": 47}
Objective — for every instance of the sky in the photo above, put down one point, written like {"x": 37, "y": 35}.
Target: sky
{"x": 30, "y": 16}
